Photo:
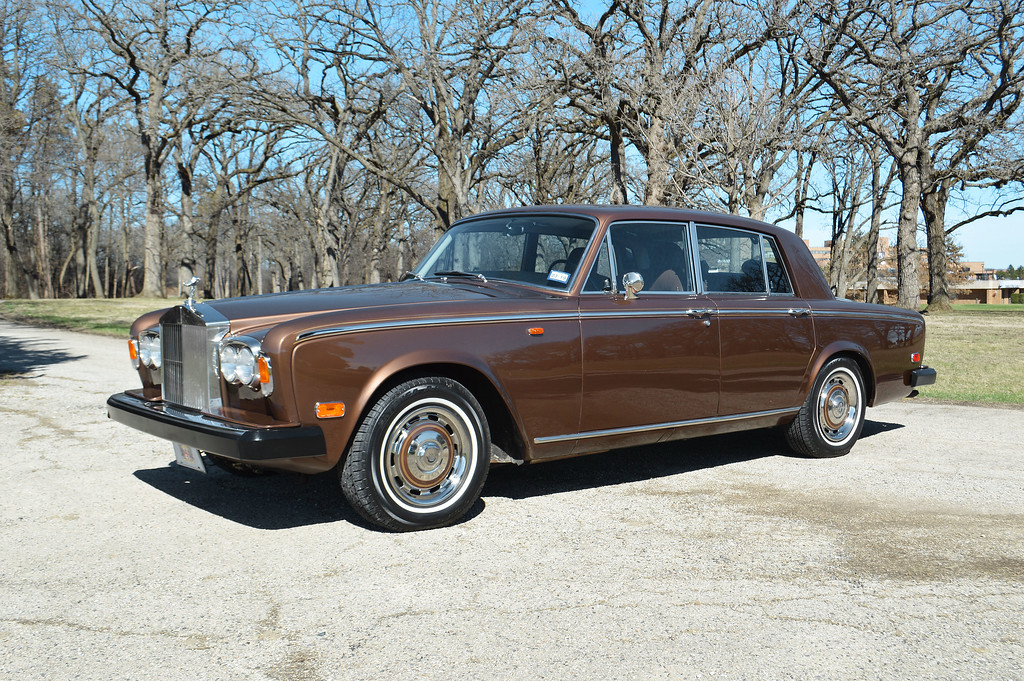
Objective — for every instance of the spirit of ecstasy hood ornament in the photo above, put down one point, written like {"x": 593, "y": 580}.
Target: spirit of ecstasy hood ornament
{"x": 190, "y": 301}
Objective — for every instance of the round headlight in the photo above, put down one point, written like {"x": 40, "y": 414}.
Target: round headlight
{"x": 245, "y": 366}
{"x": 154, "y": 352}
{"x": 228, "y": 358}
{"x": 149, "y": 350}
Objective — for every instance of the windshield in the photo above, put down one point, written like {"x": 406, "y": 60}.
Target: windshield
{"x": 540, "y": 250}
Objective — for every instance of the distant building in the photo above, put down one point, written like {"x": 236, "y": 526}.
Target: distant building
{"x": 989, "y": 291}
{"x": 977, "y": 284}
{"x": 822, "y": 254}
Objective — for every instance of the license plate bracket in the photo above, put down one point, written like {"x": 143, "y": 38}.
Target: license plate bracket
{"x": 189, "y": 457}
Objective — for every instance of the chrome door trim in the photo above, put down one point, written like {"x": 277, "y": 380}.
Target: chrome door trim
{"x": 663, "y": 426}
{"x": 442, "y": 321}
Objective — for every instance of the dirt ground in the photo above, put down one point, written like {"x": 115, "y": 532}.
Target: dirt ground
{"x": 717, "y": 558}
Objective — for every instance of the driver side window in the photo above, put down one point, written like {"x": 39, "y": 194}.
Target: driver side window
{"x": 658, "y": 251}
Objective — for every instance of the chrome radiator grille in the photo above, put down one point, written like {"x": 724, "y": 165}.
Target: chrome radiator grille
{"x": 189, "y": 350}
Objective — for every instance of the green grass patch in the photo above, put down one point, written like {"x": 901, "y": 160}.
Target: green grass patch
{"x": 988, "y": 309}
{"x": 103, "y": 317}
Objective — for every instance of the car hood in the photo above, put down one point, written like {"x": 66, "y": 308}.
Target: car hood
{"x": 363, "y": 302}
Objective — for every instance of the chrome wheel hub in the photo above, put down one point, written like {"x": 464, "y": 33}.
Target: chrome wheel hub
{"x": 427, "y": 453}
{"x": 838, "y": 406}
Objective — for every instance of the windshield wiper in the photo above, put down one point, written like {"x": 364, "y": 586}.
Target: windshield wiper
{"x": 459, "y": 273}
{"x": 412, "y": 275}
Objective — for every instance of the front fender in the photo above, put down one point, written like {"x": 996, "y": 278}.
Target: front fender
{"x": 537, "y": 378}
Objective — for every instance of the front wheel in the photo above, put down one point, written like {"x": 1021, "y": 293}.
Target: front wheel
{"x": 830, "y": 420}
{"x": 420, "y": 456}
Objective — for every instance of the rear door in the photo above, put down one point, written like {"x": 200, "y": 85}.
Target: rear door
{"x": 767, "y": 332}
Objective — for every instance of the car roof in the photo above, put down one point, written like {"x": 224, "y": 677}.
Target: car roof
{"x": 612, "y": 213}
{"x": 805, "y": 273}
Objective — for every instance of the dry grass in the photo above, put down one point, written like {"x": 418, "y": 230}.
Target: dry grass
{"x": 978, "y": 350}
{"x": 104, "y": 317}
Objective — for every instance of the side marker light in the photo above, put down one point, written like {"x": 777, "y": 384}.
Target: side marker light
{"x": 330, "y": 410}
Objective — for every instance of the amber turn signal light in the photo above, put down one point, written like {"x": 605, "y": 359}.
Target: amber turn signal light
{"x": 263, "y": 367}
{"x": 537, "y": 331}
{"x": 330, "y": 410}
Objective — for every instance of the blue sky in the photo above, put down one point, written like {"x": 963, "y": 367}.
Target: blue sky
{"x": 997, "y": 242}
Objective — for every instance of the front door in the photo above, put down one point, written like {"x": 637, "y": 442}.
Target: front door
{"x": 652, "y": 361}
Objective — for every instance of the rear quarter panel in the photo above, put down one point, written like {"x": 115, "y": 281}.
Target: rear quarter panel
{"x": 884, "y": 336}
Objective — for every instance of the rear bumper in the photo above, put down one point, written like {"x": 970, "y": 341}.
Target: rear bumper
{"x": 210, "y": 434}
{"x": 922, "y": 376}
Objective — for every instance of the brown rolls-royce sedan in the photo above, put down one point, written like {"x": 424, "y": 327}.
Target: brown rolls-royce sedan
{"x": 524, "y": 335}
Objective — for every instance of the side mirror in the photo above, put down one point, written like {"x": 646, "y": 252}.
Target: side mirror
{"x": 633, "y": 283}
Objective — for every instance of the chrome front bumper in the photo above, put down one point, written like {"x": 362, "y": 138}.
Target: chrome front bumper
{"x": 186, "y": 426}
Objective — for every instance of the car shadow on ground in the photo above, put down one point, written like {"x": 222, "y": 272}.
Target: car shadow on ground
{"x": 645, "y": 463}
{"x": 24, "y": 358}
{"x": 280, "y": 501}
{"x": 275, "y": 501}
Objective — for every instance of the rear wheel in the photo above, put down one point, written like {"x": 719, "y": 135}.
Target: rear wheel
{"x": 831, "y": 419}
{"x": 420, "y": 456}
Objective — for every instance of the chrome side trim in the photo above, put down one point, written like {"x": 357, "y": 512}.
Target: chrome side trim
{"x": 553, "y": 316}
{"x": 556, "y": 316}
{"x": 443, "y": 321}
{"x": 615, "y": 314}
{"x": 662, "y": 426}
{"x": 858, "y": 314}
{"x": 769, "y": 312}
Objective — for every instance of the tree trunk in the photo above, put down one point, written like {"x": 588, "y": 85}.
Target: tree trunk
{"x": 12, "y": 261}
{"x": 43, "y": 274}
{"x": 933, "y": 205}
{"x": 152, "y": 286}
{"x": 657, "y": 164}
{"x": 325, "y": 270}
{"x": 877, "y": 204}
{"x": 908, "y": 285}
{"x": 619, "y": 195}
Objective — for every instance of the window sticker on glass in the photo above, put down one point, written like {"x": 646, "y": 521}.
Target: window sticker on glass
{"x": 558, "y": 276}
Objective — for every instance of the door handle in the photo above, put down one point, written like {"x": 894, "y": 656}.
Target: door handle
{"x": 702, "y": 313}
{"x": 799, "y": 312}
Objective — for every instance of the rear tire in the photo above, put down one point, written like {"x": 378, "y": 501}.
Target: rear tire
{"x": 832, "y": 417}
{"x": 420, "y": 456}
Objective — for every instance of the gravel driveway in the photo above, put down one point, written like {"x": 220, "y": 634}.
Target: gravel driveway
{"x": 721, "y": 558}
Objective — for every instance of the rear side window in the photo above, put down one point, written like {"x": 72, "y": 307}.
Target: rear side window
{"x": 731, "y": 260}
{"x": 778, "y": 281}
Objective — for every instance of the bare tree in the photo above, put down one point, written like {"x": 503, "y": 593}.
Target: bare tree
{"x": 18, "y": 59}
{"x": 151, "y": 52}
{"x": 584, "y": 57}
{"x": 912, "y": 75}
